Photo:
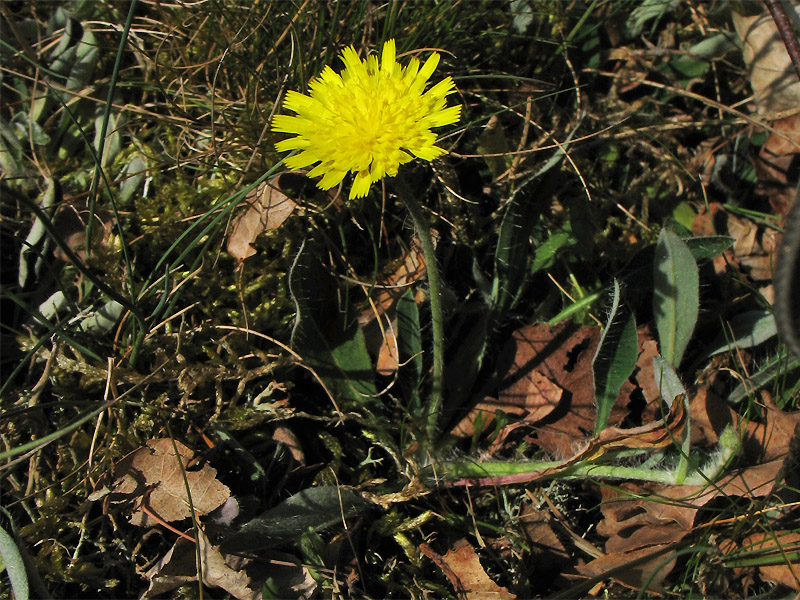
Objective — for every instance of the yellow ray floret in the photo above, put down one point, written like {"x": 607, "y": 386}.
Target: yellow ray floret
{"x": 369, "y": 119}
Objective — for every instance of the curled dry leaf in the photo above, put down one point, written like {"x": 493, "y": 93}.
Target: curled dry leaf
{"x": 550, "y": 558}
{"x": 764, "y": 440}
{"x": 638, "y": 528}
{"x": 155, "y": 475}
{"x": 267, "y": 208}
{"x": 179, "y": 567}
{"x": 642, "y": 568}
{"x": 286, "y": 436}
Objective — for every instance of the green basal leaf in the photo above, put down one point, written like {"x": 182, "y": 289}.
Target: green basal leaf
{"x": 684, "y": 214}
{"x": 512, "y": 254}
{"x": 309, "y": 510}
{"x": 134, "y": 174}
{"x": 780, "y": 367}
{"x": 675, "y": 295}
{"x": 666, "y": 377}
{"x": 690, "y": 66}
{"x": 546, "y": 253}
{"x": 707, "y": 247}
{"x": 103, "y": 319}
{"x": 86, "y": 54}
{"x": 409, "y": 348}
{"x": 15, "y": 566}
{"x": 747, "y": 330}
{"x": 614, "y": 358}
{"x": 646, "y": 11}
{"x": 327, "y": 341}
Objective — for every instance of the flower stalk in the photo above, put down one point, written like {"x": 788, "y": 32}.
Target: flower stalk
{"x": 423, "y": 229}
{"x": 369, "y": 119}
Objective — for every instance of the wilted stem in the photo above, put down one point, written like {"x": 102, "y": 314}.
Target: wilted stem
{"x": 422, "y": 225}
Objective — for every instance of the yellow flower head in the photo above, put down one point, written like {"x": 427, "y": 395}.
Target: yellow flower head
{"x": 370, "y": 119}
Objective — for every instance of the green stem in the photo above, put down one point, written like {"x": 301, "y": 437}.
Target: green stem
{"x": 516, "y": 473}
{"x": 422, "y": 225}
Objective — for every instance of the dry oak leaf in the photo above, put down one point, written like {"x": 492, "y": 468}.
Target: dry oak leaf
{"x": 639, "y": 523}
{"x": 178, "y": 567}
{"x": 155, "y": 473}
{"x": 629, "y": 506}
{"x": 774, "y": 164}
{"x": 563, "y": 410}
{"x": 751, "y": 257}
{"x": 463, "y": 569}
{"x": 267, "y": 208}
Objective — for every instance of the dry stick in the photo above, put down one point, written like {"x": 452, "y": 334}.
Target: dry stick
{"x": 778, "y": 13}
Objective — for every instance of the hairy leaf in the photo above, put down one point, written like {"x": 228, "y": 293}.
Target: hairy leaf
{"x": 311, "y": 509}
{"x": 675, "y": 295}
{"x": 614, "y": 359}
{"x": 15, "y": 566}
{"x": 329, "y": 343}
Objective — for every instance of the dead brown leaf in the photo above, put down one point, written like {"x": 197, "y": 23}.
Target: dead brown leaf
{"x": 764, "y": 440}
{"x": 242, "y": 578}
{"x": 286, "y": 436}
{"x": 643, "y": 519}
{"x": 772, "y": 77}
{"x": 70, "y": 222}
{"x": 643, "y": 568}
{"x": 379, "y": 321}
{"x": 645, "y": 375}
{"x": 778, "y": 544}
{"x": 179, "y": 567}
{"x": 463, "y": 569}
{"x": 267, "y": 208}
{"x": 774, "y": 164}
{"x": 550, "y": 381}
{"x": 546, "y": 547}
{"x": 155, "y": 475}
{"x": 752, "y": 254}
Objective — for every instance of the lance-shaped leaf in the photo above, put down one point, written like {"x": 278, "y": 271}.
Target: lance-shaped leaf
{"x": 614, "y": 358}
{"x": 14, "y": 565}
{"x": 327, "y": 338}
{"x": 409, "y": 348}
{"x": 312, "y": 509}
{"x": 675, "y": 295}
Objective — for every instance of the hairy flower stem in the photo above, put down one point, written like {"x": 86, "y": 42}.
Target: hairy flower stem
{"x": 422, "y": 225}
